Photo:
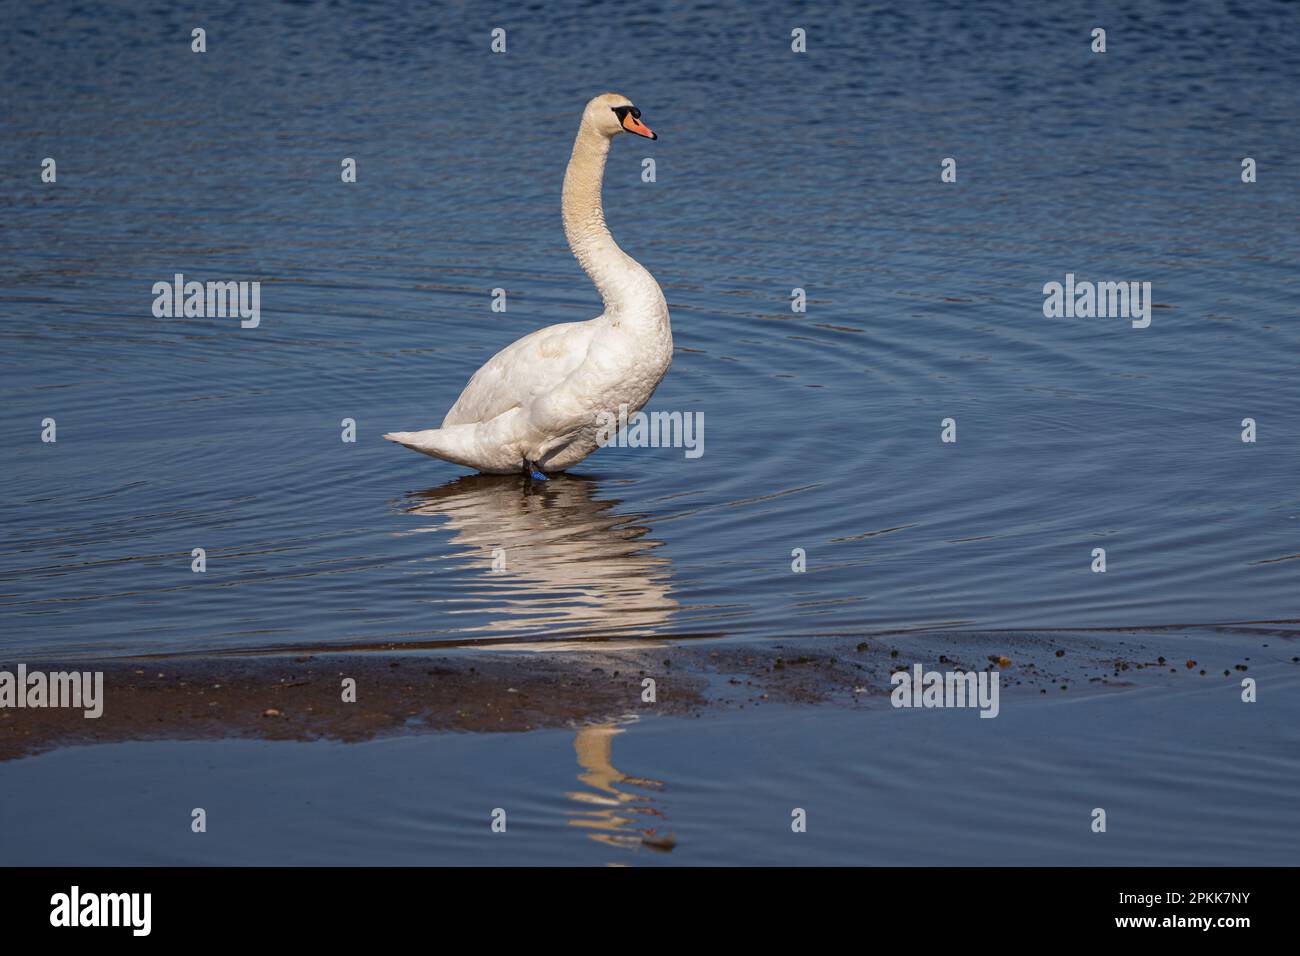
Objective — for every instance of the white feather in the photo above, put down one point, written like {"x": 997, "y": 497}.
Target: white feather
{"x": 540, "y": 397}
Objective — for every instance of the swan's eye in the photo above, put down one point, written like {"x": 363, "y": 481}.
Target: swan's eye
{"x": 629, "y": 117}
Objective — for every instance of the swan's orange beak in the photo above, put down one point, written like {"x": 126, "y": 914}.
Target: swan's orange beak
{"x": 632, "y": 123}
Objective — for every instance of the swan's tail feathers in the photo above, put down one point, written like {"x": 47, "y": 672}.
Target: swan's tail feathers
{"x": 455, "y": 443}
{"x": 430, "y": 441}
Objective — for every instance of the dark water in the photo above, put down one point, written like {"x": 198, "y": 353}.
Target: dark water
{"x": 878, "y": 787}
{"x": 774, "y": 171}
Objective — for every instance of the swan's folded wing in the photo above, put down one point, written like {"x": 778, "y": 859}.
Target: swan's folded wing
{"x": 536, "y": 364}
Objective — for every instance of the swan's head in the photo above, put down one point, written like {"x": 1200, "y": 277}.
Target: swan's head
{"x": 612, "y": 113}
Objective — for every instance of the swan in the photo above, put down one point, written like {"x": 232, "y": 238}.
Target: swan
{"x": 534, "y": 405}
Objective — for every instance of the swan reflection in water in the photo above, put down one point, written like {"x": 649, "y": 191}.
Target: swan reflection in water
{"x": 554, "y": 558}
{"x": 571, "y": 565}
{"x": 617, "y": 815}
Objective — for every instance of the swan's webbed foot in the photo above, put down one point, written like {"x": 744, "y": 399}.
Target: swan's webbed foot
{"x": 532, "y": 471}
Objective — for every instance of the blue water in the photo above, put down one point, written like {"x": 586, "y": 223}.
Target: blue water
{"x": 774, "y": 170}
{"x": 1187, "y": 776}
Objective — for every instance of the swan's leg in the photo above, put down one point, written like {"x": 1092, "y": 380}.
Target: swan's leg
{"x": 532, "y": 471}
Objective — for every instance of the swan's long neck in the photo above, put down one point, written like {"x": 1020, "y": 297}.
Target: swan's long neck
{"x": 629, "y": 291}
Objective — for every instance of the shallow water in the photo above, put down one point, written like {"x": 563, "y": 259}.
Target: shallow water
{"x": 774, "y": 171}
{"x": 1186, "y": 775}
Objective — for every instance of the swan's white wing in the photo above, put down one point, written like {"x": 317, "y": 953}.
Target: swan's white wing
{"x": 535, "y": 364}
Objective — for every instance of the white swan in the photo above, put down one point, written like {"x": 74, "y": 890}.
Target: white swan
{"x": 535, "y": 404}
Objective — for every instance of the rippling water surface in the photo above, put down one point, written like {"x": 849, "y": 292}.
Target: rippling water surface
{"x": 774, "y": 171}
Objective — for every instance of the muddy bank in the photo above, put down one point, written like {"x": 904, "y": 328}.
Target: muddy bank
{"x": 303, "y": 697}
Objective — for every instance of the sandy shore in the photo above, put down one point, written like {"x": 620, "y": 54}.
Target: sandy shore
{"x": 301, "y": 698}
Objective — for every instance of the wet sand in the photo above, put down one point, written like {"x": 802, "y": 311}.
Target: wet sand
{"x": 473, "y": 690}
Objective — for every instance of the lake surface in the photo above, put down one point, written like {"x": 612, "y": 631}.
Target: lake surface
{"x": 1186, "y": 775}
{"x": 775, "y": 171}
